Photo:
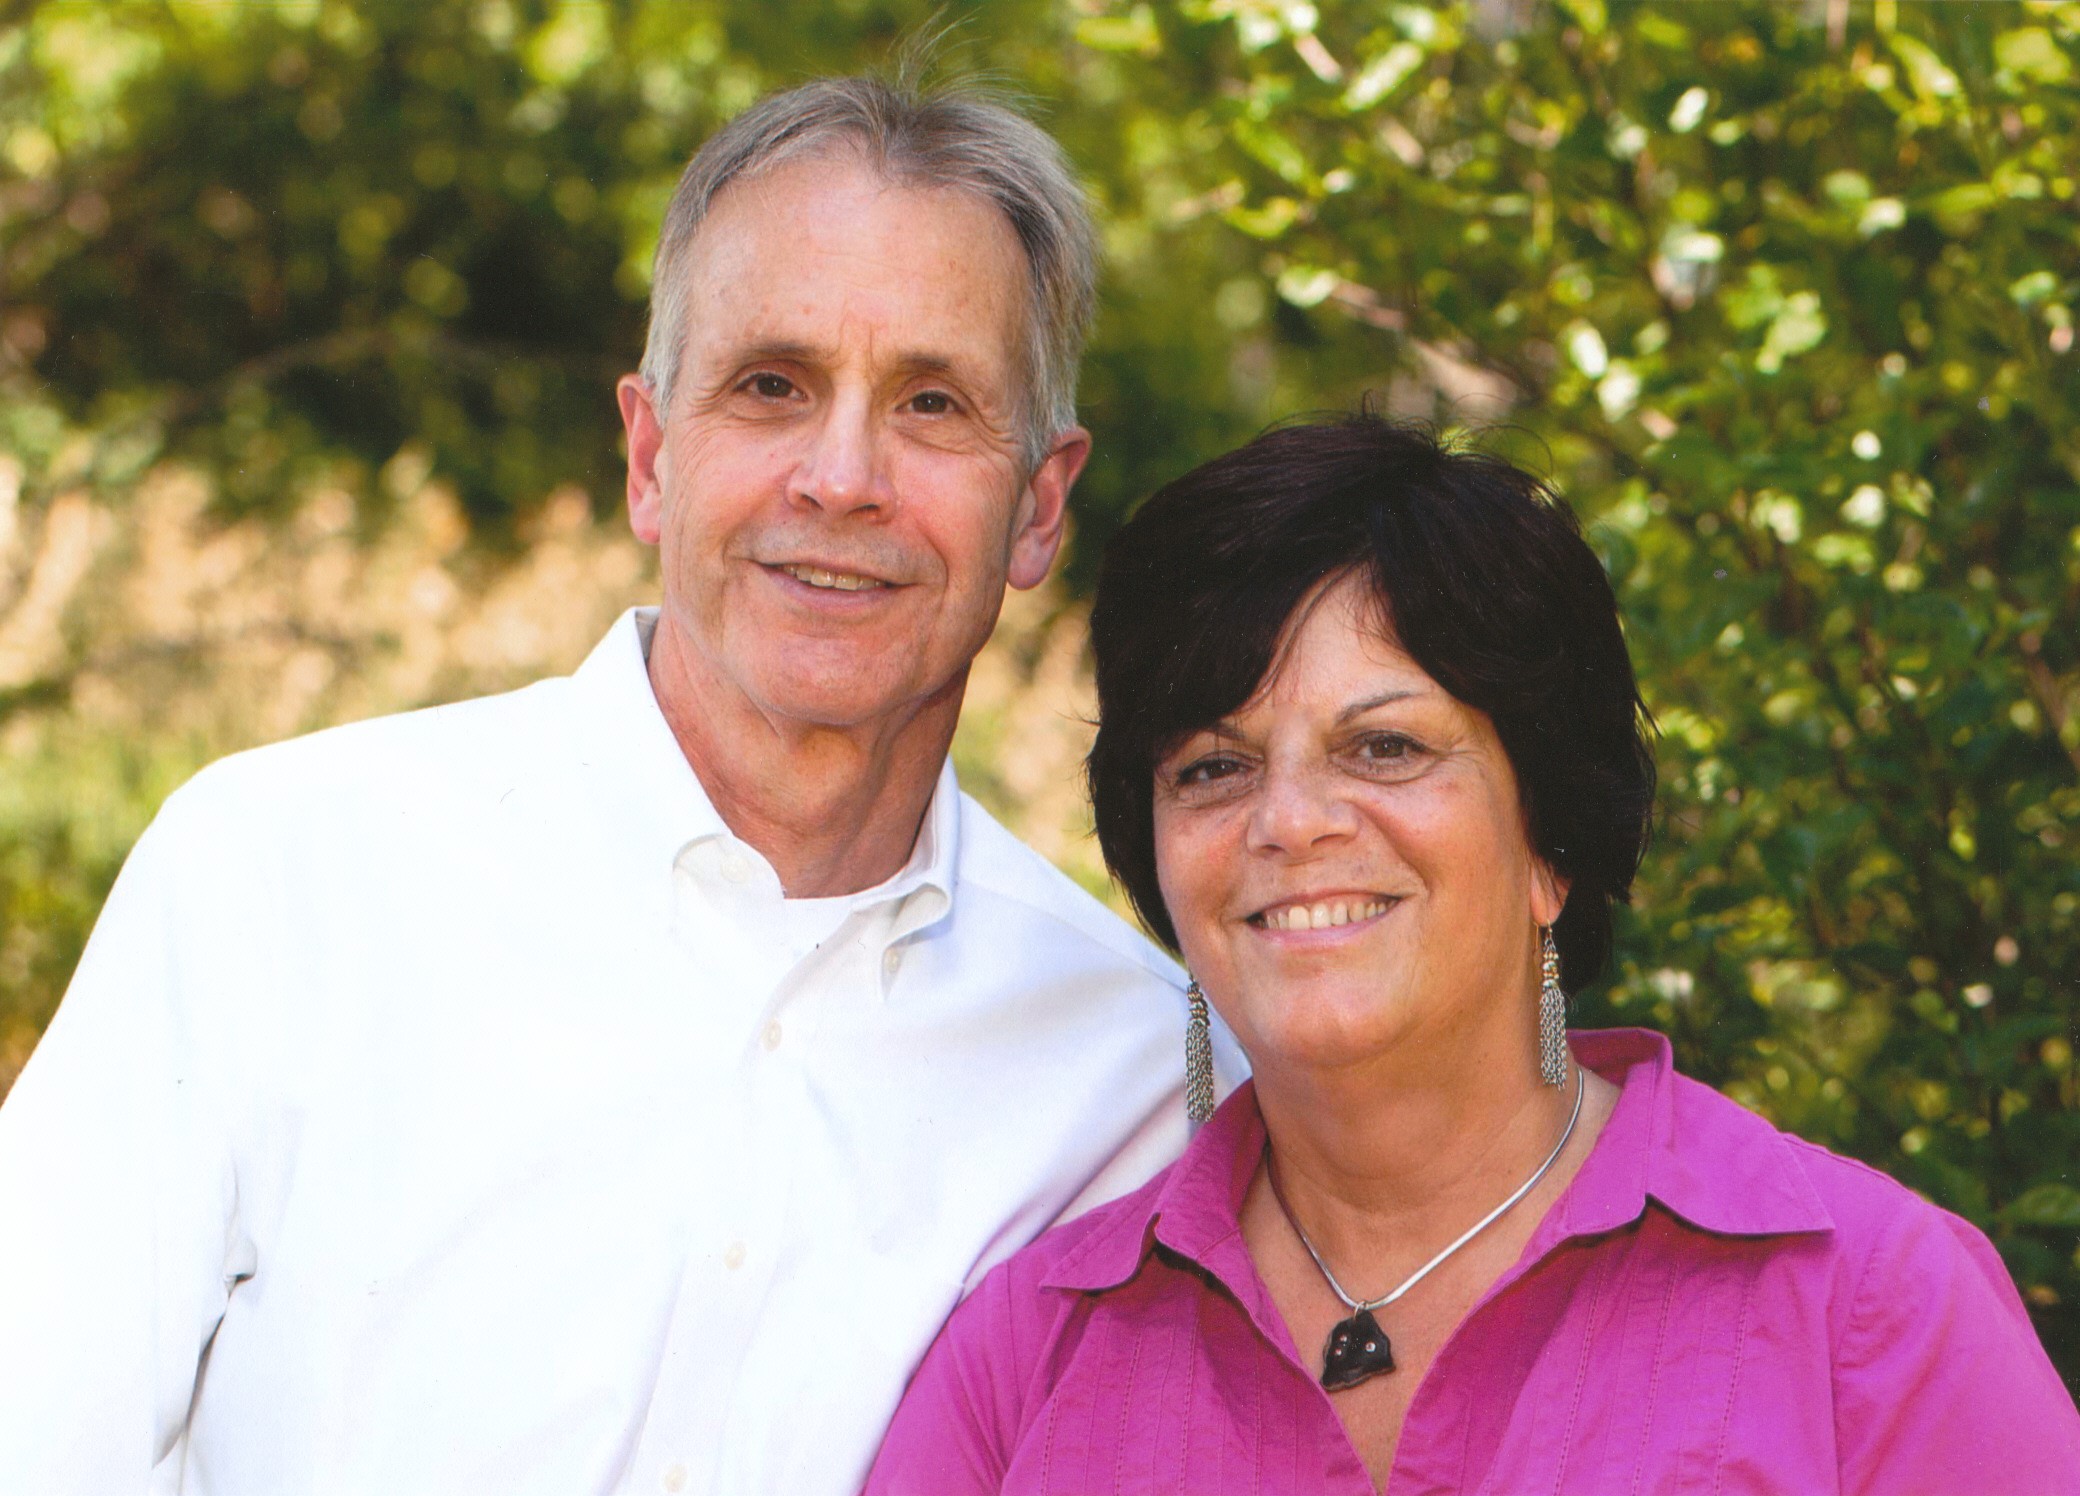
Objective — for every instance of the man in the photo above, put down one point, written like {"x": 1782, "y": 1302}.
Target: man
{"x": 610, "y": 1086}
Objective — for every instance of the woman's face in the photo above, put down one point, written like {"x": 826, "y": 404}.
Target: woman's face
{"x": 1344, "y": 858}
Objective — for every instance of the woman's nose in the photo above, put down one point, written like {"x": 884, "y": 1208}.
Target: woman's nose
{"x": 1298, "y": 810}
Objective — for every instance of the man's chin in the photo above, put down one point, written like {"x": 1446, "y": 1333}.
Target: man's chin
{"x": 841, "y": 680}
{"x": 841, "y": 699}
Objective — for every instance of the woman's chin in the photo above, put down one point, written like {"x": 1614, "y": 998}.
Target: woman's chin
{"x": 1321, "y": 1032}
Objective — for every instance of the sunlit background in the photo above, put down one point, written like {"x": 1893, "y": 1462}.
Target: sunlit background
{"x": 310, "y": 313}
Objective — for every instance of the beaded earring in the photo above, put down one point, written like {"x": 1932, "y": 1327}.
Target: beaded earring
{"x": 1552, "y": 1012}
{"x": 1198, "y": 1058}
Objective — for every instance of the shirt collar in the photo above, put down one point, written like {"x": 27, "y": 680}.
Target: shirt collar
{"x": 1717, "y": 1166}
{"x": 627, "y": 749}
{"x": 1194, "y": 1208}
{"x": 925, "y": 885}
{"x": 624, "y": 733}
{"x": 1708, "y": 1160}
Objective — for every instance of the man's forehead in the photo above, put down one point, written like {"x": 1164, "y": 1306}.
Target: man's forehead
{"x": 753, "y": 342}
{"x": 842, "y": 205}
{"x": 822, "y": 260}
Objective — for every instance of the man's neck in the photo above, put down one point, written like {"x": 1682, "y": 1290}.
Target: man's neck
{"x": 834, "y": 809}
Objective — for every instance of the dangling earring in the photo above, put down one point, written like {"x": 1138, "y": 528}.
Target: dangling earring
{"x": 1552, "y": 1012}
{"x": 1198, "y": 1058}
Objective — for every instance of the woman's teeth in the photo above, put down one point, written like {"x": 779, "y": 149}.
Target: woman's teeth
{"x": 816, "y": 576}
{"x": 1321, "y": 916}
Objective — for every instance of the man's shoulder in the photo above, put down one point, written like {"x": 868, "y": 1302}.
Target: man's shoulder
{"x": 995, "y": 862}
{"x": 450, "y": 756}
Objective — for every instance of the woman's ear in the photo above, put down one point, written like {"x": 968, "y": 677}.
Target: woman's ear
{"x": 1548, "y": 892}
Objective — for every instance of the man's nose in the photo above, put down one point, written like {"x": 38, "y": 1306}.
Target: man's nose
{"x": 843, "y": 471}
{"x": 1299, "y": 810}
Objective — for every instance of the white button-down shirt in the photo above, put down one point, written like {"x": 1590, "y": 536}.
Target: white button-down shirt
{"x": 450, "y": 1103}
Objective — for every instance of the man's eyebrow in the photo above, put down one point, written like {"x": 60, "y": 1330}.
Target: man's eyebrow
{"x": 791, "y": 352}
{"x": 921, "y": 361}
{"x": 927, "y": 363}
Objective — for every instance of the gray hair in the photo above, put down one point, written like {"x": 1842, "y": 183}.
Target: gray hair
{"x": 945, "y": 136}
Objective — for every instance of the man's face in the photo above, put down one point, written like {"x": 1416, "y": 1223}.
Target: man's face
{"x": 838, "y": 487}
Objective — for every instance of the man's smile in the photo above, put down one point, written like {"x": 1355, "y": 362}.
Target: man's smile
{"x": 840, "y": 581}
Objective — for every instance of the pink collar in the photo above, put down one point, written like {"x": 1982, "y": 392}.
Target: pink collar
{"x": 1720, "y": 1168}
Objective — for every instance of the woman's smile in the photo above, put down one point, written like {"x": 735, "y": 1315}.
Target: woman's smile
{"x": 1316, "y": 914}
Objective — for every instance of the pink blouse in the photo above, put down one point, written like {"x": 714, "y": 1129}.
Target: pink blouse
{"x": 1711, "y": 1306}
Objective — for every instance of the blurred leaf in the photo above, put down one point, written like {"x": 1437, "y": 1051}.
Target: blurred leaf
{"x": 2056, "y": 1205}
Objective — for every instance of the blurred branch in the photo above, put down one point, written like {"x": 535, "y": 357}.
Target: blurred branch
{"x": 2043, "y": 689}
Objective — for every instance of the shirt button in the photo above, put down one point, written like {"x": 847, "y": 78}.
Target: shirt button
{"x": 674, "y": 1476}
{"x": 736, "y": 867}
{"x": 771, "y": 1037}
{"x": 892, "y": 962}
{"x": 733, "y": 1256}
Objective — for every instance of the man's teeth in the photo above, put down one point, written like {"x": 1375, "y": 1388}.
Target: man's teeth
{"x": 816, "y": 576}
{"x": 1321, "y": 916}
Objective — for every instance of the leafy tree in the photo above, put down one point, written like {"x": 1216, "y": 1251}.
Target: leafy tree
{"x": 376, "y": 266}
{"x": 1783, "y": 296}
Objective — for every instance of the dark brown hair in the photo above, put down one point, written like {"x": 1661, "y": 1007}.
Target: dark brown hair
{"x": 1482, "y": 576}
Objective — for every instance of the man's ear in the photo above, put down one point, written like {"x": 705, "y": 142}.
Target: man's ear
{"x": 1548, "y": 892}
{"x": 1043, "y": 508}
{"x": 644, "y": 423}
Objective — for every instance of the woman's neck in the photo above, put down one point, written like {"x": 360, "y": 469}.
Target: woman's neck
{"x": 1383, "y": 1163}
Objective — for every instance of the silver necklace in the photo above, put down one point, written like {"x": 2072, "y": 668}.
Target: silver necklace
{"x": 1358, "y": 1348}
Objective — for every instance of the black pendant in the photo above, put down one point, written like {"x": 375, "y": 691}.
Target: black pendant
{"x": 1358, "y": 1348}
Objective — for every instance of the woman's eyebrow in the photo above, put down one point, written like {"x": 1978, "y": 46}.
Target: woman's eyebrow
{"x": 1360, "y": 708}
{"x": 1223, "y": 731}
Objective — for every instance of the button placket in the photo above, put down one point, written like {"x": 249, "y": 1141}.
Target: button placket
{"x": 726, "y": 1288}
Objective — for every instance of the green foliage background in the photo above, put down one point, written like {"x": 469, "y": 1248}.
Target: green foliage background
{"x": 1781, "y": 295}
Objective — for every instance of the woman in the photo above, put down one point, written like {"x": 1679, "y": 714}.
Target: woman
{"x": 1371, "y": 758}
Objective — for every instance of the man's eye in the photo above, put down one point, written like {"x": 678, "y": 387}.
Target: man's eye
{"x": 931, "y": 403}
{"x": 769, "y": 386}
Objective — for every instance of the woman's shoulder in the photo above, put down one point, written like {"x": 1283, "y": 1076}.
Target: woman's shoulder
{"x": 1919, "y": 1298}
{"x": 1905, "y": 1261}
{"x": 1933, "y": 1363}
{"x": 1939, "y": 1375}
{"x": 1870, "y": 1217}
{"x": 1865, "y": 1209}
{"x": 1734, "y": 1174}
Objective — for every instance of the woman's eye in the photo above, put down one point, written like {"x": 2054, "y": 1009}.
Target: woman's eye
{"x": 1206, "y": 770}
{"x": 1214, "y": 779}
{"x": 1389, "y": 750}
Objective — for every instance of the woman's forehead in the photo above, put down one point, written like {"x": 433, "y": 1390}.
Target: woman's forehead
{"x": 1342, "y": 629}
{"x": 1337, "y": 660}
